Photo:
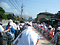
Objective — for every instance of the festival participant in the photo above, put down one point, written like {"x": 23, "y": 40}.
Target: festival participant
{"x": 10, "y": 34}
{"x": 50, "y": 32}
{"x": 56, "y": 38}
{"x": 27, "y": 37}
{"x": 12, "y": 23}
{"x": 18, "y": 29}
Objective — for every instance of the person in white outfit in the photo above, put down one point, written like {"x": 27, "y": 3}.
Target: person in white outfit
{"x": 1, "y": 33}
{"x": 27, "y": 37}
{"x": 12, "y": 24}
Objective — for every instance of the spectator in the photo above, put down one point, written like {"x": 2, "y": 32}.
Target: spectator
{"x": 1, "y": 33}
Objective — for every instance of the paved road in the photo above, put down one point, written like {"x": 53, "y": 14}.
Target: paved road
{"x": 42, "y": 40}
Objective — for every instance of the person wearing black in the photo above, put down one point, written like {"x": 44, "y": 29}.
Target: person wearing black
{"x": 18, "y": 29}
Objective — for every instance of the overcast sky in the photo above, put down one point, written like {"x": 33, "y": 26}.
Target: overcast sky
{"x": 31, "y": 7}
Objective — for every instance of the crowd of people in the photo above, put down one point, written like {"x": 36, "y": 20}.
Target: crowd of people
{"x": 14, "y": 32}
{"x": 49, "y": 32}
{"x": 25, "y": 34}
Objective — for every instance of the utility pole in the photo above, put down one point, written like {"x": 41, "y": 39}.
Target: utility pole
{"x": 21, "y": 11}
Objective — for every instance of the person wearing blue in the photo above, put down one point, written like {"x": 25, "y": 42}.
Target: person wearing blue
{"x": 1, "y": 33}
{"x": 10, "y": 34}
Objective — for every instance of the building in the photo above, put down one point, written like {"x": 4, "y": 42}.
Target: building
{"x": 58, "y": 15}
{"x": 44, "y": 16}
{"x": 9, "y": 13}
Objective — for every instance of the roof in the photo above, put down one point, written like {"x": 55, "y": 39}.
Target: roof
{"x": 9, "y": 13}
{"x": 46, "y": 13}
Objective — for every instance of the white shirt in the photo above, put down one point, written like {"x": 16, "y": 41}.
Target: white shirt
{"x": 1, "y": 29}
{"x": 29, "y": 37}
{"x": 13, "y": 25}
{"x": 18, "y": 27}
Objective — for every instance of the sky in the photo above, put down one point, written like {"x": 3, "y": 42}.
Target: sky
{"x": 30, "y": 7}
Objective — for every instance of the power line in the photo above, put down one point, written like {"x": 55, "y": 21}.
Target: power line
{"x": 12, "y": 4}
{"x": 15, "y": 4}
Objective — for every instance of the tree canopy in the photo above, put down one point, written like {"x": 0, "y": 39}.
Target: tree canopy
{"x": 7, "y": 16}
{"x": 2, "y": 15}
{"x": 2, "y": 10}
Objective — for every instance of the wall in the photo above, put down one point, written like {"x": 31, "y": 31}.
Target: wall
{"x": 4, "y": 22}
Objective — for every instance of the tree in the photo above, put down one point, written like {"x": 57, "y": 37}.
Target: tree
{"x": 10, "y": 16}
{"x": 2, "y": 15}
{"x": 23, "y": 19}
{"x": 2, "y": 10}
{"x": 17, "y": 17}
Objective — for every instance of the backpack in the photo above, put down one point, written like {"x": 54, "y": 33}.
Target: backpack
{"x": 10, "y": 34}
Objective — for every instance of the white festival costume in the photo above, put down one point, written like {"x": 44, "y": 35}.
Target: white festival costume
{"x": 28, "y": 37}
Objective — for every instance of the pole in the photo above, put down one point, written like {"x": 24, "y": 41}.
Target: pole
{"x": 21, "y": 11}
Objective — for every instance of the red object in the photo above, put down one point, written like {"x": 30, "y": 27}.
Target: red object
{"x": 20, "y": 25}
{"x": 45, "y": 30}
{"x": 42, "y": 28}
{"x": 59, "y": 34}
{"x": 51, "y": 33}
{"x": 8, "y": 28}
{"x": 39, "y": 27}
{"x": 37, "y": 41}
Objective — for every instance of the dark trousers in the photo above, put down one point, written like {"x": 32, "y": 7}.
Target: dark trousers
{"x": 19, "y": 32}
{"x": 1, "y": 40}
{"x": 15, "y": 34}
{"x": 9, "y": 41}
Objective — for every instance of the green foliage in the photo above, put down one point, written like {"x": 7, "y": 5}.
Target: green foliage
{"x": 7, "y": 16}
{"x": 10, "y": 16}
{"x": 2, "y": 15}
{"x": 2, "y": 10}
{"x": 23, "y": 19}
{"x": 17, "y": 17}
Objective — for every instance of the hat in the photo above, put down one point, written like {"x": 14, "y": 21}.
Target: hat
{"x": 41, "y": 25}
{"x": 45, "y": 27}
{"x": 58, "y": 28}
{"x": 10, "y": 20}
{"x": 50, "y": 26}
